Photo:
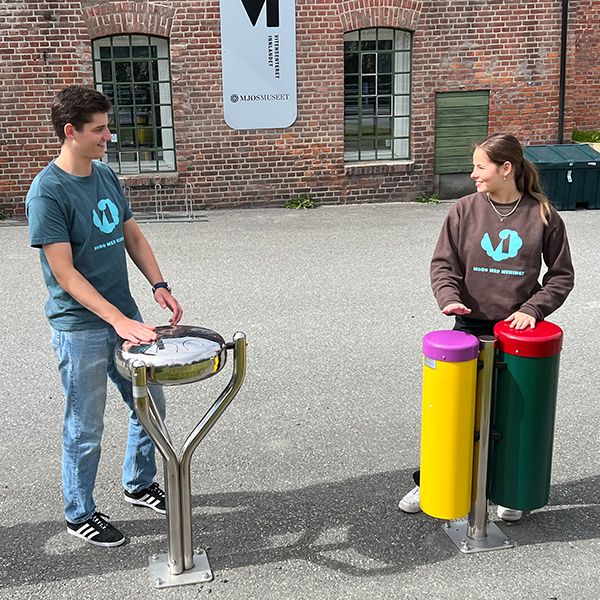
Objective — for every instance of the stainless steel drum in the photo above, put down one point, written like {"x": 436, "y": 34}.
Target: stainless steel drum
{"x": 180, "y": 354}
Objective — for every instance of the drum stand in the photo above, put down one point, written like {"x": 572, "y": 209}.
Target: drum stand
{"x": 181, "y": 565}
{"x": 477, "y": 533}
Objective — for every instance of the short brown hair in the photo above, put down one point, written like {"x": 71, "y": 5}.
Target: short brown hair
{"x": 76, "y": 104}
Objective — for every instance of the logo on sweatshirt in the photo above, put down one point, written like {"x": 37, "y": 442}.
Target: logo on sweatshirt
{"x": 508, "y": 247}
{"x": 106, "y": 218}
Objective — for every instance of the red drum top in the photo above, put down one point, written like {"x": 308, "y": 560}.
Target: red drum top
{"x": 542, "y": 341}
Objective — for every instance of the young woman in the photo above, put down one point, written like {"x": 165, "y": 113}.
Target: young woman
{"x": 488, "y": 258}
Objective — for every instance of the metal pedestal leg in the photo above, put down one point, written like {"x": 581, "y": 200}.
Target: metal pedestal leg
{"x": 181, "y": 566}
{"x": 476, "y": 534}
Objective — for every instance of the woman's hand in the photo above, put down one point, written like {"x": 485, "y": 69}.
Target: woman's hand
{"x": 456, "y": 308}
{"x": 520, "y": 320}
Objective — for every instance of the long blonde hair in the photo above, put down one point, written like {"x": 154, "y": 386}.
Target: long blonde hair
{"x": 505, "y": 147}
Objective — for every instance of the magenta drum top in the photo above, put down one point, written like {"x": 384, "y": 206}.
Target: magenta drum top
{"x": 450, "y": 346}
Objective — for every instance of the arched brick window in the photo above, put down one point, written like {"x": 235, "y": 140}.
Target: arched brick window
{"x": 377, "y": 81}
{"x": 134, "y": 72}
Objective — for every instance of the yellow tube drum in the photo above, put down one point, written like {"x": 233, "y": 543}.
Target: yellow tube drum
{"x": 448, "y": 422}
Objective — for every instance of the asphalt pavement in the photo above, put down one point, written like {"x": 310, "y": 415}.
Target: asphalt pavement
{"x": 295, "y": 489}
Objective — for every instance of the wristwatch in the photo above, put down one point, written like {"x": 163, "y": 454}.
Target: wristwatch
{"x": 161, "y": 284}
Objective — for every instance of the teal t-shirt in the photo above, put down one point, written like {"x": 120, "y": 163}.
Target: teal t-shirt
{"x": 88, "y": 213}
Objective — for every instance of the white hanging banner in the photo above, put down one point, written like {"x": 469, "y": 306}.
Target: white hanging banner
{"x": 258, "y": 48}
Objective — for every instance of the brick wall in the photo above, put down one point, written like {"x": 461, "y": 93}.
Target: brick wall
{"x": 584, "y": 80}
{"x": 510, "y": 48}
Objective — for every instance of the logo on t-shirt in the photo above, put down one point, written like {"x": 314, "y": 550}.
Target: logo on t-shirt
{"x": 508, "y": 247}
{"x": 108, "y": 218}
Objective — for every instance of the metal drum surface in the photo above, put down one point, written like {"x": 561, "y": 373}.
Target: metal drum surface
{"x": 180, "y": 354}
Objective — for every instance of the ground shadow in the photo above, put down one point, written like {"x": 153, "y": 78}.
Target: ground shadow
{"x": 350, "y": 526}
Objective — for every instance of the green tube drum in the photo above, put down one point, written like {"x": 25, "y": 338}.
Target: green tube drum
{"x": 523, "y": 413}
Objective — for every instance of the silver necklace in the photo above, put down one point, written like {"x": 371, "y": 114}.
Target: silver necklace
{"x": 503, "y": 216}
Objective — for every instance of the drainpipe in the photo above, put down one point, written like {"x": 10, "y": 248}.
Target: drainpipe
{"x": 563, "y": 70}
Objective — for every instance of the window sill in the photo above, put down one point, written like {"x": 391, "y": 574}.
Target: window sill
{"x": 148, "y": 179}
{"x": 379, "y": 166}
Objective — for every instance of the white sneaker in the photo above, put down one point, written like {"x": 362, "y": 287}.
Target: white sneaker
{"x": 411, "y": 503}
{"x": 509, "y": 514}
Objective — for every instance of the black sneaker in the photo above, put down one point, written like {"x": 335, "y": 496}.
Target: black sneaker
{"x": 152, "y": 497}
{"x": 97, "y": 530}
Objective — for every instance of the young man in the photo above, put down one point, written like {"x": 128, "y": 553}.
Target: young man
{"x": 80, "y": 219}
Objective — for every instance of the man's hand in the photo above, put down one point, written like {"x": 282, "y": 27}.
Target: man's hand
{"x": 456, "y": 308}
{"x": 520, "y": 320}
{"x": 166, "y": 300}
{"x": 134, "y": 331}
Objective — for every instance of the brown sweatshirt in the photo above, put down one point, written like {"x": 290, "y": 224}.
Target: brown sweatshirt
{"x": 493, "y": 266}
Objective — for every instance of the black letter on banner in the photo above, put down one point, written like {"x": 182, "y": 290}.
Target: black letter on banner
{"x": 254, "y": 7}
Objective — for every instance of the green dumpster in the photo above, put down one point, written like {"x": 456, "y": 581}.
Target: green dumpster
{"x": 570, "y": 174}
{"x": 523, "y": 413}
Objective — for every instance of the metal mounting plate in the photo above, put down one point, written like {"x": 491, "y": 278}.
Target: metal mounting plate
{"x": 161, "y": 576}
{"x": 495, "y": 539}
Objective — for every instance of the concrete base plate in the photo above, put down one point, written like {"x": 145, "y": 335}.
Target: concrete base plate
{"x": 161, "y": 576}
{"x": 495, "y": 539}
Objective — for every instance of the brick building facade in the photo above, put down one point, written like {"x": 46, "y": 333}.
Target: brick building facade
{"x": 509, "y": 49}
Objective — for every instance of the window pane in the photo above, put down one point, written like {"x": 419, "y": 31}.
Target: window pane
{"x": 121, "y": 51}
{"x": 142, "y": 94}
{"x": 140, "y": 71}
{"x": 350, "y": 46}
{"x": 351, "y": 143}
{"x": 148, "y": 162}
{"x": 384, "y": 62}
{"x": 368, "y": 85}
{"x": 401, "y": 149}
{"x": 108, "y": 90}
{"x": 369, "y": 63}
{"x": 145, "y": 135}
{"x": 127, "y": 137}
{"x": 102, "y": 48}
{"x": 351, "y": 106}
{"x": 129, "y": 157}
{"x": 351, "y": 85}
{"x": 161, "y": 45}
{"x": 351, "y": 63}
{"x": 384, "y": 127}
{"x": 401, "y": 127}
{"x": 124, "y": 94}
{"x": 384, "y": 84}
{"x": 140, "y": 46}
{"x": 402, "y": 62}
{"x": 401, "y": 106}
{"x": 368, "y": 106}
{"x": 123, "y": 71}
{"x": 106, "y": 70}
{"x": 125, "y": 117}
{"x": 166, "y": 138}
{"x": 402, "y": 40}
{"x": 367, "y": 143}
{"x": 163, "y": 70}
{"x": 367, "y": 39}
{"x": 385, "y": 39}
{"x": 168, "y": 158}
{"x": 351, "y": 126}
{"x": 402, "y": 84}
{"x": 164, "y": 93}
{"x": 384, "y": 105}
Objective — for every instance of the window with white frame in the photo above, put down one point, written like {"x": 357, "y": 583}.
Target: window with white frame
{"x": 134, "y": 72}
{"x": 377, "y": 81}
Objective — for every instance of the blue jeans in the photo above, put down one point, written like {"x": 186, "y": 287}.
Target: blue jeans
{"x": 85, "y": 360}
